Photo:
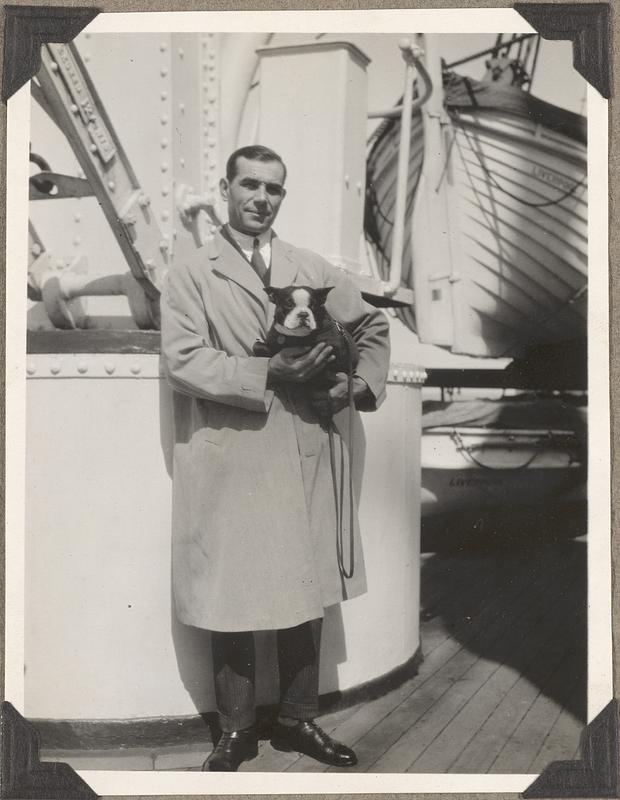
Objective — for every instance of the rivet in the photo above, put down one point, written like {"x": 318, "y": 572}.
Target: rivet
{"x": 111, "y": 186}
{"x": 164, "y": 167}
{"x": 181, "y": 53}
{"x": 93, "y": 148}
{"x": 76, "y": 241}
{"x": 82, "y": 367}
{"x": 55, "y": 367}
{"x": 164, "y": 95}
{"x": 205, "y": 86}
{"x": 182, "y": 162}
{"x": 164, "y": 144}
{"x": 163, "y": 245}
{"x": 54, "y": 66}
{"x": 163, "y": 47}
{"x": 144, "y": 201}
{"x": 164, "y": 120}
{"x": 74, "y": 108}
{"x": 36, "y": 249}
{"x": 109, "y": 367}
{"x": 182, "y": 108}
{"x": 165, "y": 190}
{"x": 31, "y": 368}
{"x": 135, "y": 369}
{"x": 165, "y": 215}
{"x": 78, "y": 217}
{"x": 163, "y": 72}
{"x": 87, "y": 57}
{"x": 87, "y": 35}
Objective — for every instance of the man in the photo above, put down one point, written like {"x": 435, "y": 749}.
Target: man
{"x": 254, "y": 519}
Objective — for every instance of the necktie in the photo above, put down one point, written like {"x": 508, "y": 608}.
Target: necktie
{"x": 258, "y": 262}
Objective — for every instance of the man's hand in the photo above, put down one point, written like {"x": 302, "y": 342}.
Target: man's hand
{"x": 330, "y": 401}
{"x": 298, "y": 364}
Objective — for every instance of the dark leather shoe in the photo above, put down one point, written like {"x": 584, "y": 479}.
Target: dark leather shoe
{"x": 231, "y": 750}
{"x": 309, "y": 739}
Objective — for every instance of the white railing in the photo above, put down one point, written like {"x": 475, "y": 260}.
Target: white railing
{"x": 413, "y": 65}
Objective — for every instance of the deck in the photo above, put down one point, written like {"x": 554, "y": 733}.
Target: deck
{"x": 502, "y": 686}
{"x": 501, "y": 689}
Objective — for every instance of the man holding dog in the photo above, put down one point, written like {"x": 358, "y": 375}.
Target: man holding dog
{"x": 254, "y": 517}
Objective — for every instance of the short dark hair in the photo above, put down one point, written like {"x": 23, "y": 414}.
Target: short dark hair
{"x": 253, "y": 152}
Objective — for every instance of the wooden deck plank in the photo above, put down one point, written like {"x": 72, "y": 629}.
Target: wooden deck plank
{"x": 562, "y": 742}
{"x": 410, "y": 745}
{"x": 488, "y": 626}
{"x": 442, "y": 753}
{"x": 521, "y": 750}
{"x": 483, "y": 749}
{"x": 522, "y": 647}
{"x": 480, "y": 753}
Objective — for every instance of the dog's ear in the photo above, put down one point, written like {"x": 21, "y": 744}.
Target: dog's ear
{"x": 272, "y": 294}
{"x": 321, "y": 294}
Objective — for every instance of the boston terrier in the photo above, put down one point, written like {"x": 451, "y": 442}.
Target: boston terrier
{"x": 301, "y": 320}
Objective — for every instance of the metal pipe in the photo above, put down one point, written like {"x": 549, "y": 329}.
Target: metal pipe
{"x": 397, "y": 110}
{"x": 410, "y": 55}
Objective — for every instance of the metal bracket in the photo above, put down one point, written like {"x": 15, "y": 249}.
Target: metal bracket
{"x": 42, "y": 186}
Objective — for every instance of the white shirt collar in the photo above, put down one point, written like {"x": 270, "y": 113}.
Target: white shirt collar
{"x": 246, "y": 242}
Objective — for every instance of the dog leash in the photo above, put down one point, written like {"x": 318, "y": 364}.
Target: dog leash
{"x": 339, "y": 496}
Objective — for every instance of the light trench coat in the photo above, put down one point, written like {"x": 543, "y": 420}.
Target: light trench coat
{"x": 254, "y": 524}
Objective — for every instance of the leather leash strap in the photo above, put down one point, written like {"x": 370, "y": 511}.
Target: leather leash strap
{"x": 339, "y": 495}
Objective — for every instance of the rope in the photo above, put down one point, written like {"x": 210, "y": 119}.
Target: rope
{"x": 494, "y": 183}
{"x": 456, "y": 438}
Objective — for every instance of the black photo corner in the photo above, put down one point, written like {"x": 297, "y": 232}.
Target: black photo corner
{"x": 597, "y": 772}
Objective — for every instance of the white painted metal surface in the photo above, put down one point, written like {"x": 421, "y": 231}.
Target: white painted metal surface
{"x": 322, "y": 138}
{"x": 101, "y": 637}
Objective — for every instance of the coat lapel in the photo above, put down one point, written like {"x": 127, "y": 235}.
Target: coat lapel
{"x": 283, "y": 267}
{"x": 229, "y": 262}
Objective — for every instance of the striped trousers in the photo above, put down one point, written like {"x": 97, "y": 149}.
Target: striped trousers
{"x": 234, "y": 674}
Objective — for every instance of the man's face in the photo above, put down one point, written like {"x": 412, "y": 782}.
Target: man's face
{"x": 254, "y": 195}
